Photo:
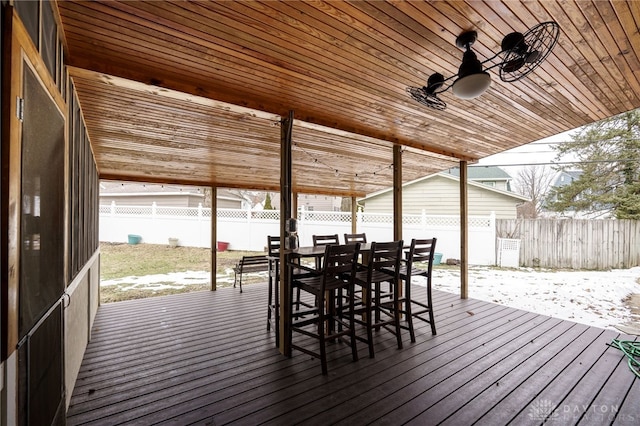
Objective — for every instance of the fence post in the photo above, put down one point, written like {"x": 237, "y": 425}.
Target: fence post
{"x": 423, "y": 220}
{"x": 113, "y": 208}
{"x": 200, "y": 219}
{"x": 492, "y": 225}
{"x": 153, "y": 210}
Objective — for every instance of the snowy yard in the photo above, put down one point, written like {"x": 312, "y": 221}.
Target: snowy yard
{"x": 590, "y": 297}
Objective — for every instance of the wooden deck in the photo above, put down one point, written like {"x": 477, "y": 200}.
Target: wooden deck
{"x": 206, "y": 358}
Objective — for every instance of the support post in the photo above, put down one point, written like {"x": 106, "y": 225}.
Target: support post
{"x": 286, "y": 129}
{"x": 214, "y": 236}
{"x": 464, "y": 233}
{"x": 294, "y": 205}
{"x": 354, "y": 215}
{"x": 397, "y": 192}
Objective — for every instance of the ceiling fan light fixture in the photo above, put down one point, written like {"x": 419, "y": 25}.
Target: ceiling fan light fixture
{"x": 472, "y": 81}
{"x": 521, "y": 53}
{"x": 472, "y": 85}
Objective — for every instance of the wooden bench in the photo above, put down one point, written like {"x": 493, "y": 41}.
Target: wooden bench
{"x": 248, "y": 264}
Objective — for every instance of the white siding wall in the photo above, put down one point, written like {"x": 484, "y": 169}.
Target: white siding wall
{"x": 172, "y": 200}
{"x": 495, "y": 184}
{"x": 441, "y": 196}
{"x": 323, "y": 203}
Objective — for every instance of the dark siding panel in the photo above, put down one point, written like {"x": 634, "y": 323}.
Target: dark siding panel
{"x": 83, "y": 191}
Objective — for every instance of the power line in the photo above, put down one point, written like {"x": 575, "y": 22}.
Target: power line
{"x": 558, "y": 163}
{"x": 582, "y": 141}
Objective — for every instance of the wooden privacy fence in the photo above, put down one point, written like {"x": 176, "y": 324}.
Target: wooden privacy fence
{"x": 574, "y": 243}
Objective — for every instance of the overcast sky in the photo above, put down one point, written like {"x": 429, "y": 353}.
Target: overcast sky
{"x": 538, "y": 152}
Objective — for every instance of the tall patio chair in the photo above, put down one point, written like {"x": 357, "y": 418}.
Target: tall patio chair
{"x": 273, "y": 314}
{"x": 273, "y": 245}
{"x": 382, "y": 267}
{"x": 419, "y": 262}
{"x": 338, "y": 273}
{"x": 355, "y": 238}
{"x": 323, "y": 240}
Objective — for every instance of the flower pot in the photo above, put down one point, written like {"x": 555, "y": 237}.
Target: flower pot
{"x": 222, "y": 246}
{"x": 134, "y": 239}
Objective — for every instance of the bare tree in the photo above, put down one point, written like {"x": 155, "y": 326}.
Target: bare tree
{"x": 533, "y": 182}
{"x": 345, "y": 204}
{"x": 207, "y": 196}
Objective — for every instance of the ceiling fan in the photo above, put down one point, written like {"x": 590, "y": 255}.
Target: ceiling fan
{"x": 519, "y": 55}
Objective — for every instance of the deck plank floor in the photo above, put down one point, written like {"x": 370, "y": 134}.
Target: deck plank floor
{"x": 207, "y": 358}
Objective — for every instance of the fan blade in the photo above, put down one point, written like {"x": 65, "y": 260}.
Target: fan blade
{"x": 533, "y": 56}
{"x": 537, "y": 42}
{"x": 513, "y": 65}
{"x": 422, "y": 95}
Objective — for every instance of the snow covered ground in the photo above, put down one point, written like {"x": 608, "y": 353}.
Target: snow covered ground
{"x": 589, "y": 297}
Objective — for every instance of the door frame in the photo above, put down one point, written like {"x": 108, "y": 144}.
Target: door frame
{"x": 18, "y": 51}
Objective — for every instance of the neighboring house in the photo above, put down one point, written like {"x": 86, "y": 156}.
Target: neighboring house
{"x": 324, "y": 203}
{"x": 491, "y": 176}
{"x": 564, "y": 178}
{"x": 308, "y": 202}
{"x": 439, "y": 194}
{"x": 138, "y": 194}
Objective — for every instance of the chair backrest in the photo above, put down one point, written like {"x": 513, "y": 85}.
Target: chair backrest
{"x": 420, "y": 253}
{"x": 355, "y": 238}
{"x": 339, "y": 261}
{"x": 273, "y": 245}
{"x": 385, "y": 257}
{"x": 323, "y": 240}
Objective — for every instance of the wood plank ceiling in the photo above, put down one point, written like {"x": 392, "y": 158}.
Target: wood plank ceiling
{"x": 192, "y": 92}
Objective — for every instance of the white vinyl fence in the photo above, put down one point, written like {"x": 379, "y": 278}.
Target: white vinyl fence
{"x": 248, "y": 229}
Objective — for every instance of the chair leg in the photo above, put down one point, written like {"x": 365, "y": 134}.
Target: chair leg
{"x": 352, "y": 325}
{"x": 407, "y": 310}
{"x": 376, "y": 306}
{"x": 276, "y": 309}
{"x": 369, "y": 323}
{"x": 396, "y": 315}
{"x": 270, "y": 303}
{"x": 321, "y": 335}
{"x": 430, "y": 303}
